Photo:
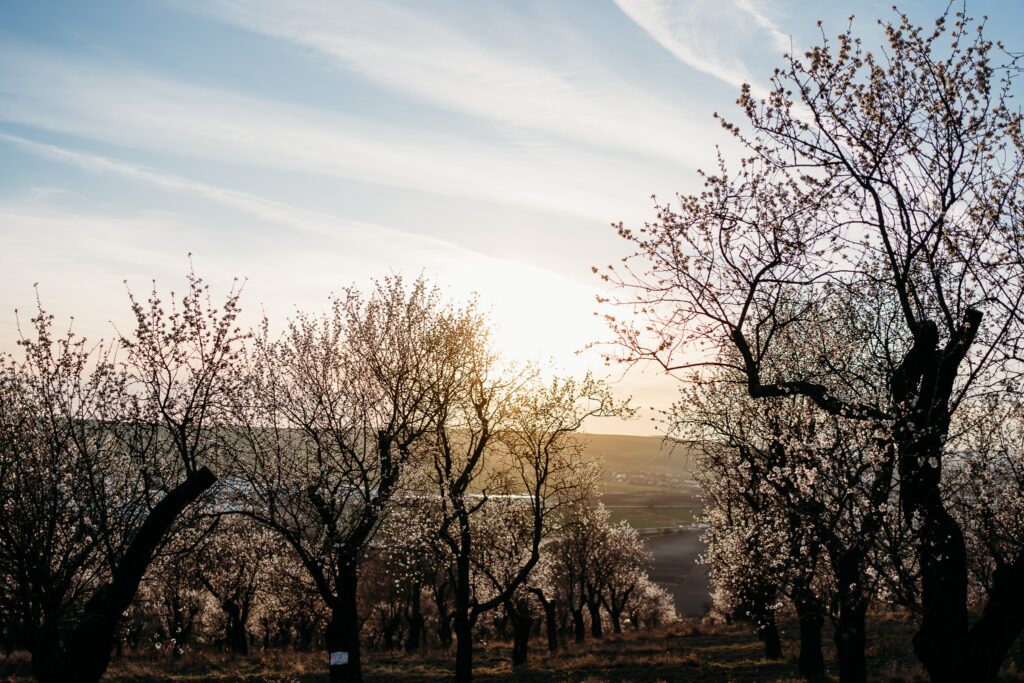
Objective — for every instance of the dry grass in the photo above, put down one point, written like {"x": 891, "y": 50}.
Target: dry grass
{"x": 683, "y": 652}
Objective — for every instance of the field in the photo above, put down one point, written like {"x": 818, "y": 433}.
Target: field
{"x": 645, "y": 482}
{"x": 646, "y": 460}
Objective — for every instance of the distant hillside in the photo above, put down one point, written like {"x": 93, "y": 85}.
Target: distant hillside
{"x": 647, "y": 482}
{"x": 641, "y": 460}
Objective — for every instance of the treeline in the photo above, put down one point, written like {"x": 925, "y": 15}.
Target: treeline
{"x": 239, "y": 589}
{"x": 373, "y": 474}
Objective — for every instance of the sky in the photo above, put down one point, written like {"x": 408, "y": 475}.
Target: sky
{"x": 311, "y": 145}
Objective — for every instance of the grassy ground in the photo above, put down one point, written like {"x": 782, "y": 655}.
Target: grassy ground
{"x": 679, "y": 653}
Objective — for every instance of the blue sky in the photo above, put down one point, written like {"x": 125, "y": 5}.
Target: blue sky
{"x": 312, "y": 144}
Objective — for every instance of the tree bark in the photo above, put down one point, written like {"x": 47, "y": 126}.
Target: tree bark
{"x": 764, "y": 621}
{"x": 236, "y": 637}
{"x": 1000, "y": 623}
{"x": 522, "y": 625}
{"x": 444, "y": 617}
{"x": 811, "y": 663}
{"x": 551, "y": 624}
{"x": 342, "y": 634}
{"x": 850, "y": 628}
{"x": 616, "y": 617}
{"x": 941, "y": 641}
{"x": 463, "y": 648}
{"x": 463, "y": 618}
{"x": 768, "y": 633}
{"x": 416, "y": 622}
{"x": 596, "y": 629}
{"x": 923, "y": 383}
{"x": 579, "y": 631}
{"x": 91, "y": 643}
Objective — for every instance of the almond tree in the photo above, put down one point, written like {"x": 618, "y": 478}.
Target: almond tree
{"x": 331, "y": 413}
{"x": 232, "y": 563}
{"x": 577, "y": 548}
{"x": 101, "y": 458}
{"x": 622, "y": 563}
{"x": 504, "y": 434}
{"x": 651, "y": 606}
{"x": 792, "y": 490}
{"x": 897, "y": 175}
{"x": 985, "y": 491}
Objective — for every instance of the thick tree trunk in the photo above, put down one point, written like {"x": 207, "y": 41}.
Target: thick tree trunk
{"x": 416, "y": 622}
{"x": 522, "y": 625}
{"x": 850, "y": 634}
{"x": 551, "y": 624}
{"x": 463, "y": 618}
{"x": 616, "y": 617}
{"x": 579, "y": 631}
{"x": 389, "y": 629}
{"x": 811, "y": 662}
{"x": 304, "y": 632}
{"x": 764, "y": 621}
{"x": 342, "y": 634}
{"x": 91, "y": 643}
{"x": 550, "y": 618}
{"x": 1000, "y": 624}
{"x": 596, "y": 629}
{"x": 444, "y": 630}
{"x": 941, "y": 641}
{"x": 444, "y": 618}
{"x": 463, "y": 648}
{"x": 768, "y": 633}
{"x": 923, "y": 384}
{"x": 236, "y": 637}
{"x": 850, "y": 644}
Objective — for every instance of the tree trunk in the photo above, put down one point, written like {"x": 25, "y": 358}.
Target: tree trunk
{"x": 941, "y": 641}
{"x": 596, "y": 630}
{"x": 444, "y": 630}
{"x": 236, "y": 637}
{"x": 265, "y": 633}
{"x": 634, "y": 620}
{"x": 91, "y": 643}
{"x": 850, "y": 628}
{"x": 579, "y": 631}
{"x": 343, "y": 630}
{"x": 924, "y": 383}
{"x": 416, "y": 622}
{"x": 444, "y": 617}
{"x": 551, "y": 624}
{"x": 463, "y": 648}
{"x": 811, "y": 662}
{"x": 522, "y": 625}
{"x": 768, "y": 633}
{"x": 764, "y": 621}
{"x": 463, "y": 618}
{"x": 1000, "y": 624}
{"x": 616, "y": 617}
{"x": 389, "y": 629}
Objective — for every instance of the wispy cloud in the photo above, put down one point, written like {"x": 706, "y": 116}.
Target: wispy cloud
{"x": 456, "y": 67}
{"x": 280, "y": 213}
{"x": 710, "y": 35}
{"x": 131, "y": 108}
{"x": 333, "y": 251}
